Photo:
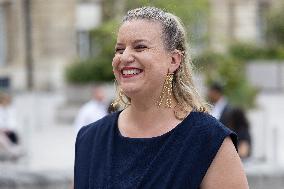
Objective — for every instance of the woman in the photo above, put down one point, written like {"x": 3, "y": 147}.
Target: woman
{"x": 163, "y": 138}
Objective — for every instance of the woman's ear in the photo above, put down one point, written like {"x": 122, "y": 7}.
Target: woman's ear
{"x": 176, "y": 58}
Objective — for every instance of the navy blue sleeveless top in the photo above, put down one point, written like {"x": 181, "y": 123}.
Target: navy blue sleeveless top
{"x": 178, "y": 159}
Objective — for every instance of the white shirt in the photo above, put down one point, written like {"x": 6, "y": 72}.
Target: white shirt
{"x": 8, "y": 117}
{"x": 89, "y": 113}
{"x": 218, "y": 108}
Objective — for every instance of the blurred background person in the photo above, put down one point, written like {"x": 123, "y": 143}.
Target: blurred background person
{"x": 8, "y": 120}
{"x": 232, "y": 117}
{"x": 9, "y": 138}
{"x": 8, "y": 150}
{"x": 221, "y": 108}
{"x": 93, "y": 110}
{"x": 239, "y": 123}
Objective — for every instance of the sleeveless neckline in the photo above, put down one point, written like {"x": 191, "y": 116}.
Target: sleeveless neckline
{"x": 150, "y": 139}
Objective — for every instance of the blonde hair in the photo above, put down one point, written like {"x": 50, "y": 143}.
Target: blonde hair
{"x": 174, "y": 38}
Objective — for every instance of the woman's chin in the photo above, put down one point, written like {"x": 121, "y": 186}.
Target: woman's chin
{"x": 129, "y": 92}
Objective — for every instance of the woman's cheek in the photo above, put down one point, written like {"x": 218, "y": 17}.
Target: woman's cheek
{"x": 115, "y": 63}
{"x": 116, "y": 74}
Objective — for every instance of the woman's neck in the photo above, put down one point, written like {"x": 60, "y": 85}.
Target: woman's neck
{"x": 143, "y": 120}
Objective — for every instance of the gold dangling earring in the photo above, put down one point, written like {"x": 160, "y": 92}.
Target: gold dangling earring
{"x": 115, "y": 104}
{"x": 167, "y": 92}
{"x": 121, "y": 99}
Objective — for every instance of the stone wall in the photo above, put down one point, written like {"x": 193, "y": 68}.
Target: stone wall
{"x": 235, "y": 20}
{"x": 266, "y": 75}
{"x": 53, "y": 36}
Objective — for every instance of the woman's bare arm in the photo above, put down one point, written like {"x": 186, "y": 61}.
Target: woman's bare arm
{"x": 226, "y": 170}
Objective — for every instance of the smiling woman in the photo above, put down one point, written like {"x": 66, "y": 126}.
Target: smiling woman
{"x": 163, "y": 138}
{"x": 141, "y": 62}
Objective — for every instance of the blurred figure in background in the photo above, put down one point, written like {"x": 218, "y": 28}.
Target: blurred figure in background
{"x": 9, "y": 139}
{"x": 232, "y": 117}
{"x": 238, "y": 122}
{"x": 92, "y": 110}
{"x": 221, "y": 108}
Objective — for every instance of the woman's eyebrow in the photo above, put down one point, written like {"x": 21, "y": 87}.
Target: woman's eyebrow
{"x": 119, "y": 44}
{"x": 140, "y": 40}
{"x": 134, "y": 42}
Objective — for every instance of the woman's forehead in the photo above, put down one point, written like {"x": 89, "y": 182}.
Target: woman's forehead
{"x": 141, "y": 29}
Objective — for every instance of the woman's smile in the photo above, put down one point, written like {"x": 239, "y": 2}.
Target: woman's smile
{"x": 128, "y": 72}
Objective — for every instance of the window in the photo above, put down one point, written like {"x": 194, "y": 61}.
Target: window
{"x": 83, "y": 44}
{"x": 2, "y": 37}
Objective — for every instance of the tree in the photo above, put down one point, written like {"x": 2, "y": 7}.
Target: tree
{"x": 275, "y": 26}
{"x": 230, "y": 72}
{"x": 194, "y": 14}
{"x": 97, "y": 68}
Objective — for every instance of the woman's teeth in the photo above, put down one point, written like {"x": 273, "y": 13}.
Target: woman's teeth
{"x": 131, "y": 72}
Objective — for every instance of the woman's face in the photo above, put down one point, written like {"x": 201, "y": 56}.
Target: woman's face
{"x": 141, "y": 61}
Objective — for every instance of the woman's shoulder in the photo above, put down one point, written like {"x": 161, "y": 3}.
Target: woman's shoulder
{"x": 210, "y": 128}
{"x": 205, "y": 120}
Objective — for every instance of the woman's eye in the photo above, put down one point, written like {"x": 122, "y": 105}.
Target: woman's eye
{"x": 140, "y": 47}
{"x": 119, "y": 50}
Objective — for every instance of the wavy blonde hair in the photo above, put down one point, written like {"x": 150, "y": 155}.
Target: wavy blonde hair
{"x": 174, "y": 38}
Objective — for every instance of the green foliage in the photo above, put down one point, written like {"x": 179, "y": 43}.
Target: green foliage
{"x": 193, "y": 13}
{"x": 245, "y": 51}
{"x": 275, "y": 26}
{"x": 274, "y": 49}
{"x": 98, "y": 67}
{"x": 104, "y": 38}
{"x": 108, "y": 9}
{"x": 188, "y": 10}
{"x": 89, "y": 71}
{"x": 230, "y": 72}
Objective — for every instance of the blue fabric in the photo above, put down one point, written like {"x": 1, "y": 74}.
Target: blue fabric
{"x": 178, "y": 159}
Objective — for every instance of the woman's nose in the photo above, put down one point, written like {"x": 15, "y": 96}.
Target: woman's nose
{"x": 127, "y": 56}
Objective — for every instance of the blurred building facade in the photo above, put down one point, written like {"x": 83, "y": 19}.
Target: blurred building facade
{"x": 39, "y": 38}
{"x": 238, "y": 20}
{"x": 88, "y": 16}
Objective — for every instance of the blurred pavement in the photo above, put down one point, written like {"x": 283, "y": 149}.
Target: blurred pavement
{"x": 48, "y": 144}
